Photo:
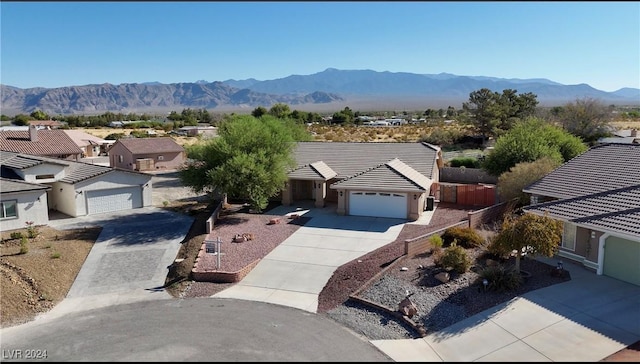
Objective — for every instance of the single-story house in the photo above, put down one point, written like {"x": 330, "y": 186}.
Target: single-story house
{"x": 47, "y": 124}
{"x": 90, "y": 145}
{"x": 76, "y": 188}
{"x": 22, "y": 202}
{"x": 47, "y": 143}
{"x": 146, "y": 154}
{"x": 597, "y": 197}
{"x": 367, "y": 179}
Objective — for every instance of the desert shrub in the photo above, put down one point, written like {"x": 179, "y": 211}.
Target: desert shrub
{"x": 498, "y": 251}
{"x": 16, "y": 235}
{"x": 32, "y": 231}
{"x": 455, "y": 257}
{"x": 55, "y": 255}
{"x": 465, "y": 236}
{"x": 24, "y": 247}
{"x": 500, "y": 278}
{"x": 436, "y": 241}
{"x": 467, "y": 162}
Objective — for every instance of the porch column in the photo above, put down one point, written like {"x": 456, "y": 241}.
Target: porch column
{"x": 342, "y": 202}
{"x": 286, "y": 194}
{"x": 321, "y": 192}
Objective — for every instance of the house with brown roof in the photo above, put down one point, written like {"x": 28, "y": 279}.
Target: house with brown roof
{"x": 597, "y": 197}
{"x": 45, "y": 124}
{"x": 394, "y": 180}
{"x": 32, "y": 185}
{"x": 146, "y": 154}
{"x": 47, "y": 143}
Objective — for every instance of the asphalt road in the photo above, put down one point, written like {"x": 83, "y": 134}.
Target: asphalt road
{"x": 198, "y": 329}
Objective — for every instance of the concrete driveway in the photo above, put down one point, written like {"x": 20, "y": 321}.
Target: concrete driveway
{"x": 297, "y": 270}
{"x": 128, "y": 261}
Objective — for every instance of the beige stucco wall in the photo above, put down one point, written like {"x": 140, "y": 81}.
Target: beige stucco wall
{"x": 31, "y": 206}
{"x": 63, "y": 198}
{"x": 30, "y": 174}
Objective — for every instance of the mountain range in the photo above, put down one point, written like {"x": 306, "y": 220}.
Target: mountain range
{"x": 329, "y": 90}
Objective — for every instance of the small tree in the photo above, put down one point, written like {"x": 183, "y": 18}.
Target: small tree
{"x": 528, "y": 234}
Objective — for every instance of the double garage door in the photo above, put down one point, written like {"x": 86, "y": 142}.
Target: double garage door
{"x": 117, "y": 199}
{"x": 378, "y": 204}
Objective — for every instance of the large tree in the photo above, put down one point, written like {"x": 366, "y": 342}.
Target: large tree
{"x": 494, "y": 113}
{"x": 250, "y": 159}
{"x": 528, "y": 234}
{"x": 586, "y": 118}
{"x": 530, "y": 140}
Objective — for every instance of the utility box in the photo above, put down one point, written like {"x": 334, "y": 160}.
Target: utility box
{"x": 431, "y": 200}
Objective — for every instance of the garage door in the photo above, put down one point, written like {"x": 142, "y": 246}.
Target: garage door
{"x": 622, "y": 259}
{"x": 378, "y": 204}
{"x": 113, "y": 200}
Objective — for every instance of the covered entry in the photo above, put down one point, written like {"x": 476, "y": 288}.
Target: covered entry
{"x": 99, "y": 201}
{"x": 378, "y": 204}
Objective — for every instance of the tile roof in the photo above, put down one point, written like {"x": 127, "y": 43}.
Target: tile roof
{"x": 74, "y": 171}
{"x": 45, "y": 122}
{"x": 315, "y": 170}
{"x": 83, "y": 139}
{"x": 150, "y": 145}
{"x": 50, "y": 143}
{"x": 599, "y": 169}
{"x": 348, "y": 159}
{"x": 393, "y": 175}
{"x": 9, "y": 185}
{"x": 616, "y": 210}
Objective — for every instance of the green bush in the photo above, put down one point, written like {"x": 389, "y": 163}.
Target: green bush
{"x": 436, "y": 241}
{"x": 498, "y": 251}
{"x": 55, "y": 255}
{"x": 24, "y": 248}
{"x": 467, "y": 162}
{"x": 455, "y": 257}
{"x": 500, "y": 278}
{"x": 466, "y": 237}
{"x": 16, "y": 235}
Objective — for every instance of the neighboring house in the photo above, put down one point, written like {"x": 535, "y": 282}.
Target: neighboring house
{"x": 367, "y": 179}
{"x": 21, "y": 202}
{"x": 90, "y": 145}
{"x": 46, "y": 143}
{"x": 629, "y": 136}
{"x": 76, "y": 188}
{"x": 45, "y": 124}
{"x": 204, "y": 130}
{"x": 597, "y": 197}
{"x": 146, "y": 154}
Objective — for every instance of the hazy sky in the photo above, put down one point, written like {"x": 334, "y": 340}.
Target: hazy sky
{"x": 55, "y": 44}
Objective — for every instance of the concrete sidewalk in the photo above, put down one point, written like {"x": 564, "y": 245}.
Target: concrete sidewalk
{"x": 583, "y": 320}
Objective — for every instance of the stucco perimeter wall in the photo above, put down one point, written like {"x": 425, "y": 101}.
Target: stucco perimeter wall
{"x": 489, "y": 214}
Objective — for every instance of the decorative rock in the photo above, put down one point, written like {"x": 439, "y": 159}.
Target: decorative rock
{"x": 442, "y": 277}
{"x": 404, "y": 269}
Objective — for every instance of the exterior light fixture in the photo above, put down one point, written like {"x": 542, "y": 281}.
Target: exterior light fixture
{"x": 485, "y": 283}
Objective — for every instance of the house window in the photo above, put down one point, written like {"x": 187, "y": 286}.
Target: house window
{"x": 160, "y": 157}
{"x": 120, "y": 158}
{"x": 44, "y": 176}
{"x": 8, "y": 209}
{"x": 569, "y": 236}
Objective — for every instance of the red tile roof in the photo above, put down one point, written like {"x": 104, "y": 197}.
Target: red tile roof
{"x": 151, "y": 145}
{"x": 45, "y": 123}
{"x": 49, "y": 143}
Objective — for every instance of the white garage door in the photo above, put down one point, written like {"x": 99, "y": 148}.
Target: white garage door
{"x": 378, "y": 204}
{"x": 113, "y": 200}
